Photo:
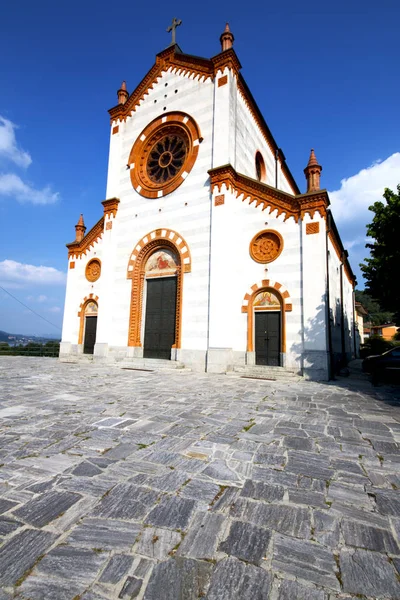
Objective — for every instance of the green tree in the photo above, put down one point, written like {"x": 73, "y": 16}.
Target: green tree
{"x": 381, "y": 269}
{"x": 376, "y": 315}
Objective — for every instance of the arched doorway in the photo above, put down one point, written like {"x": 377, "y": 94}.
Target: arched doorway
{"x": 267, "y": 328}
{"x": 266, "y": 304}
{"x": 161, "y": 254}
{"x": 160, "y": 290}
{"x": 89, "y": 326}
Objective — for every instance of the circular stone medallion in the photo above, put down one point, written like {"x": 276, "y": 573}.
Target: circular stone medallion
{"x": 93, "y": 270}
{"x": 266, "y": 246}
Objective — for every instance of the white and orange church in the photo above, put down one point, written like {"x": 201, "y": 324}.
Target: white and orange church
{"x": 207, "y": 254}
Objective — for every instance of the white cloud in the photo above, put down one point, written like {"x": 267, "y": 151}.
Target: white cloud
{"x": 19, "y": 274}
{"x": 358, "y": 241}
{"x": 359, "y": 191}
{"x": 41, "y": 298}
{"x": 8, "y": 145}
{"x": 12, "y": 185}
{"x": 55, "y": 309}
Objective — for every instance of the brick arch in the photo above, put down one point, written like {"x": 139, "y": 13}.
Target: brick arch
{"x": 160, "y": 235}
{"x": 248, "y": 307}
{"x": 157, "y": 239}
{"x": 81, "y": 314}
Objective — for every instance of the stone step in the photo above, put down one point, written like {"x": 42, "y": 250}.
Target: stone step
{"x": 266, "y": 372}
{"x": 152, "y": 364}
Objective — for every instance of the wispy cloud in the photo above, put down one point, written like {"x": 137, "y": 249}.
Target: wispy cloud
{"x": 12, "y": 185}
{"x": 358, "y": 241}
{"x": 16, "y": 274}
{"x": 55, "y": 309}
{"x": 42, "y": 298}
{"x": 9, "y": 148}
{"x": 358, "y": 192}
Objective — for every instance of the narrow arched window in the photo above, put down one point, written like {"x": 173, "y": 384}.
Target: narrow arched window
{"x": 261, "y": 172}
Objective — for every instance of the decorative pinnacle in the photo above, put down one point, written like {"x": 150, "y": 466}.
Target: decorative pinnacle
{"x": 226, "y": 39}
{"x": 80, "y": 221}
{"x": 80, "y": 229}
{"x": 122, "y": 93}
{"x": 313, "y": 173}
{"x": 313, "y": 159}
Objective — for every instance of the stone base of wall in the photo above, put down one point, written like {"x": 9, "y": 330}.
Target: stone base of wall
{"x": 315, "y": 363}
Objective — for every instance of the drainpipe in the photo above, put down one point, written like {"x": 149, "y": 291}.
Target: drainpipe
{"x": 342, "y": 332}
{"x": 354, "y": 324}
{"x": 276, "y": 167}
{"x": 328, "y": 307}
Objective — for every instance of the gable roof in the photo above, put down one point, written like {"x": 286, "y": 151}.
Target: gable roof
{"x": 203, "y": 68}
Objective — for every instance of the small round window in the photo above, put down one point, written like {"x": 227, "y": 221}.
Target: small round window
{"x": 261, "y": 172}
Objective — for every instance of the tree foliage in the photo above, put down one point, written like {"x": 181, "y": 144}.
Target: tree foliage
{"x": 381, "y": 269}
{"x": 376, "y": 316}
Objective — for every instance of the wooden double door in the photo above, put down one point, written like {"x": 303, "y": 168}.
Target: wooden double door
{"x": 159, "y": 328}
{"x": 268, "y": 338}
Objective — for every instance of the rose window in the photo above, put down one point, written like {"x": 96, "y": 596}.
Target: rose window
{"x": 164, "y": 154}
{"x": 266, "y": 246}
{"x": 166, "y": 158}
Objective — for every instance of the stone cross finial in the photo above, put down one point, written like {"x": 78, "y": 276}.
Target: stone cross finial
{"x": 175, "y": 23}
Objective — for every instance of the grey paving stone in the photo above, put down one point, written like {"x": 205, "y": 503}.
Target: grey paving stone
{"x": 306, "y": 560}
{"x": 38, "y": 588}
{"x": 272, "y": 459}
{"x": 234, "y": 580}
{"x": 131, "y": 588}
{"x": 20, "y": 553}
{"x": 388, "y": 502}
{"x": 6, "y": 505}
{"x": 293, "y": 590}
{"x": 326, "y": 528}
{"x": 291, "y": 520}
{"x": 179, "y": 578}
{"x": 47, "y": 507}
{"x": 371, "y": 538}
{"x": 126, "y": 501}
{"x": 315, "y": 466}
{"x": 262, "y": 491}
{"x": 224, "y": 499}
{"x": 200, "y": 490}
{"x": 349, "y": 495}
{"x": 172, "y": 512}
{"x": 170, "y": 482}
{"x": 86, "y": 469}
{"x": 157, "y": 543}
{"x": 298, "y": 443}
{"x": 116, "y": 568}
{"x": 309, "y": 498}
{"x": 220, "y": 471}
{"x": 8, "y": 525}
{"x": 368, "y": 573}
{"x": 78, "y": 565}
{"x": 105, "y": 535}
{"x": 202, "y": 538}
{"x": 247, "y": 542}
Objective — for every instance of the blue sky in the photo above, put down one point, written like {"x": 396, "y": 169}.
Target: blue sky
{"x": 324, "y": 75}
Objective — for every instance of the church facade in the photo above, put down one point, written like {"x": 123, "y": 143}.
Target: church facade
{"x": 207, "y": 253}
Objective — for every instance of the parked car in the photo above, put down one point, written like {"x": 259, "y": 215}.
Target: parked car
{"x": 386, "y": 363}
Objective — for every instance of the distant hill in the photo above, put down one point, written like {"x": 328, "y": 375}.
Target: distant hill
{"x": 21, "y": 338}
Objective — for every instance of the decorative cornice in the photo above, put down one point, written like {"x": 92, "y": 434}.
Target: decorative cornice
{"x": 76, "y": 249}
{"x": 267, "y": 196}
{"x": 229, "y": 59}
{"x": 111, "y": 207}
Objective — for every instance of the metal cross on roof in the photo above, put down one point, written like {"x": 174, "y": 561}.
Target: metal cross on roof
{"x": 175, "y": 23}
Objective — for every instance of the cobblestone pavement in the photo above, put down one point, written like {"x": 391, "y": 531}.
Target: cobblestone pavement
{"x": 177, "y": 486}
